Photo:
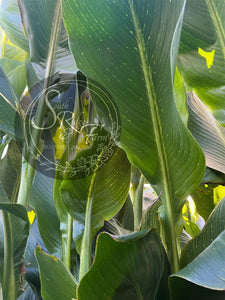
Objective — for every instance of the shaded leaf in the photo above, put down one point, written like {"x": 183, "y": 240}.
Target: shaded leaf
{"x": 126, "y": 262}
{"x": 20, "y": 231}
{"x": 56, "y": 281}
{"x": 150, "y": 217}
{"x": 10, "y": 120}
{"x": 204, "y": 199}
{"x": 186, "y": 290}
{"x": 214, "y": 226}
{"x": 10, "y": 168}
{"x": 41, "y": 200}
{"x": 208, "y": 132}
{"x": 203, "y": 35}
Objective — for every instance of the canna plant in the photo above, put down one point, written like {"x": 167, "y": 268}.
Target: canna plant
{"x": 98, "y": 100}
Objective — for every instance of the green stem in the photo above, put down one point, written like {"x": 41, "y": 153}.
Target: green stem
{"x": 28, "y": 169}
{"x": 138, "y": 202}
{"x": 8, "y": 283}
{"x": 85, "y": 257}
{"x": 68, "y": 242}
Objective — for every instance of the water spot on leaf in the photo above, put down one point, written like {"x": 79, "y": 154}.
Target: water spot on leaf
{"x": 209, "y": 56}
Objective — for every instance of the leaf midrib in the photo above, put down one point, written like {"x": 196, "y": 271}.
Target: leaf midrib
{"x": 153, "y": 106}
{"x": 217, "y": 23}
{"x": 157, "y": 128}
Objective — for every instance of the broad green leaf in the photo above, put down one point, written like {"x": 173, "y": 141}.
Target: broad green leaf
{"x": 127, "y": 267}
{"x": 129, "y": 47}
{"x": 208, "y": 268}
{"x": 214, "y": 226}
{"x": 38, "y": 18}
{"x": 10, "y": 119}
{"x": 202, "y": 50}
{"x": 16, "y": 73}
{"x": 208, "y": 132}
{"x": 10, "y": 21}
{"x": 186, "y": 290}
{"x": 56, "y": 281}
{"x": 111, "y": 189}
{"x": 41, "y": 200}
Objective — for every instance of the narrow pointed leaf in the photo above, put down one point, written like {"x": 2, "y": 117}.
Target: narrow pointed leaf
{"x": 127, "y": 267}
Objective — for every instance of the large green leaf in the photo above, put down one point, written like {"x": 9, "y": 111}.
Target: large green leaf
{"x": 10, "y": 120}
{"x": 130, "y": 47}
{"x": 214, "y": 226}
{"x": 56, "y": 281}
{"x": 208, "y": 268}
{"x": 202, "y": 50}
{"x": 10, "y": 21}
{"x": 111, "y": 188}
{"x": 208, "y": 132}
{"x": 38, "y": 18}
{"x": 127, "y": 267}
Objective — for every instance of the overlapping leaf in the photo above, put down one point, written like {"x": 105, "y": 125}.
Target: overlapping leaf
{"x": 10, "y": 120}
{"x": 213, "y": 228}
{"x": 41, "y": 199}
{"x": 10, "y": 21}
{"x": 128, "y": 267}
{"x": 38, "y": 19}
{"x": 202, "y": 51}
{"x": 111, "y": 189}
{"x": 56, "y": 280}
{"x": 19, "y": 227}
{"x": 129, "y": 47}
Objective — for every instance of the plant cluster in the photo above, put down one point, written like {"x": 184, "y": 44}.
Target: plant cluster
{"x": 112, "y": 149}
